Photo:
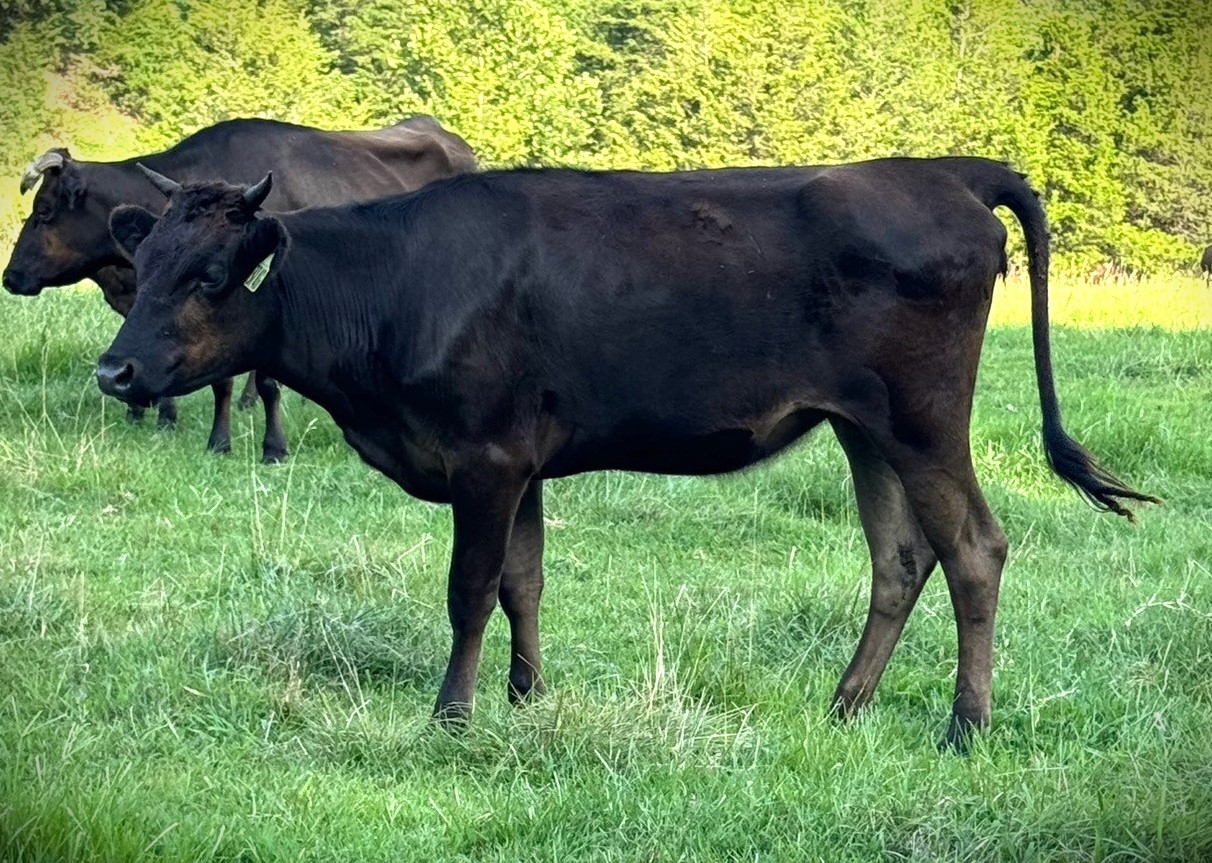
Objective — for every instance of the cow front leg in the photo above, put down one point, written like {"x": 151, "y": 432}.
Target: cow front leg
{"x": 484, "y": 502}
{"x": 901, "y": 561}
{"x": 167, "y": 409}
{"x": 248, "y": 396}
{"x": 220, "y": 427}
{"x": 273, "y": 447}
{"x": 134, "y": 413}
{"x": 520, "y": 592}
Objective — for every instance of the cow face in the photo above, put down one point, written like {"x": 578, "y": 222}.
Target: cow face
{"x": 197, "y": 317}
{"x": 64, "y": 239}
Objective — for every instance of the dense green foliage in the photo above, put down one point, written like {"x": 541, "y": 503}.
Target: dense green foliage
{"x": 1106, "y": 103}
{"x": 204, "y": 659}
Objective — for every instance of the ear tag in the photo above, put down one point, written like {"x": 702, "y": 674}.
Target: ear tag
{"x": 260, "y": 271}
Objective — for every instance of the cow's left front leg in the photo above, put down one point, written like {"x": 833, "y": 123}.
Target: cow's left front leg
{"x": 220, "y": 426}
{"x": 167, "y": 410}
{"x": 273, "y": 448}
{"x": 248, "y": 396}
{"x": 484, "y": 500}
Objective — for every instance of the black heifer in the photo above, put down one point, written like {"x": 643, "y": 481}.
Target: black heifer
{"x": 500, "y": 329}
{"x": 66, "y": 238}
{"x": 1205, "y": 263}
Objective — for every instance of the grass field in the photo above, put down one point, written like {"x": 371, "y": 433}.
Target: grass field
{"x": 206, "y": 659}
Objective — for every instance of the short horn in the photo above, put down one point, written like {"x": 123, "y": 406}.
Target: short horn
{"x": 254, "y": 196}
{"x": 161, "y": 182}
{"x": 35, "y": 169}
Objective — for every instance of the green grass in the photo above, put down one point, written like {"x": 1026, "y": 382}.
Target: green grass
{"x": 205, "y": 659}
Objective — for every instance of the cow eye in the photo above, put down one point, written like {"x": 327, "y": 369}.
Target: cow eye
{"x": 42, "y": 215}
{"x": 213, "y": 279}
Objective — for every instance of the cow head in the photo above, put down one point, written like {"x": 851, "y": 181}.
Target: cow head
{"x": 200, "y": 310}
{"x": 64, "y": 239}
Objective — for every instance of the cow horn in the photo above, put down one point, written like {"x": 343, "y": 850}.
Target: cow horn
{"x": 35, "y": 169}
{"x": 161, "y": 182}
{"x": 254, "y": 196}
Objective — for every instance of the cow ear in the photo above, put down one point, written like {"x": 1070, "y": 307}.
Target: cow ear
{"x": 129, "y": 225}
{"x": 265, "y": 244}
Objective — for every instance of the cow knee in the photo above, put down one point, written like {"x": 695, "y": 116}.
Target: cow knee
{"x": 520, "y": 594}
{"x": 998, "y": 547}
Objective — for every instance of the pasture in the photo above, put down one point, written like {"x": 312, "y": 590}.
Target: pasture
{"x": 202, "y": 658}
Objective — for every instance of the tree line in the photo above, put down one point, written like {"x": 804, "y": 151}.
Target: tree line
{"x": 1106, "y": 104}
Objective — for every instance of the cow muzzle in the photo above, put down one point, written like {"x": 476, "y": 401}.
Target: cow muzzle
{"x": 20, "y": 283}
{"x": 116, "y": 377}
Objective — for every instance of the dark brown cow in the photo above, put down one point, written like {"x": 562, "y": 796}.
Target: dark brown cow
{"x": 495, "y": 330}
{"x": 66, "y": 237}
{"x": 1205, "y": 263}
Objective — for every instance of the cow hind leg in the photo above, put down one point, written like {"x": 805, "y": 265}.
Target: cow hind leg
{"x": 941, "y": 486}
{"x": 519, "y": 594}
{"x": 220, "y": 427}
{"x": 901, "y": 561}
{"x": 248, "y": 396}
{"x": 273, "y": 447}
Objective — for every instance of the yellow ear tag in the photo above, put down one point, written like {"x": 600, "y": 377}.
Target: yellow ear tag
{"x": 260, "y": 271}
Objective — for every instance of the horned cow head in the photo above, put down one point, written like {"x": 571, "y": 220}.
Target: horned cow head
{"x": 58, "y": 244}
{"x": 198, "y": 316}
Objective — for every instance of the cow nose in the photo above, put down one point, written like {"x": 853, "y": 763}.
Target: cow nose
{"x": 21, "y": 283}
{"x": 114, "y": 376}
{"x": 15, "y": 282}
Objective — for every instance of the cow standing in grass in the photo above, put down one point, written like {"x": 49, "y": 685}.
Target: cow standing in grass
{"x": 495, "y": 330}
{"x": 66, "y": 237}
{"x": 1205, "y": 263}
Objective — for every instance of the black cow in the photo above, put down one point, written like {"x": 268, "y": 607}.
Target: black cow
{"x": 66, "y": 238}
{"x": 499, "y": 329}
{"x": 1205, "y": 263}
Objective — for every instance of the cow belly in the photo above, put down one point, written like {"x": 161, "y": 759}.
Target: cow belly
{"x": 650, "y": 448}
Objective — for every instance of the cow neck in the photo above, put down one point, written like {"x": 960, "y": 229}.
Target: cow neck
{"x": 322, "y": 326}
{"x": 110, "y": 185}
{"x": 118, "y": 183}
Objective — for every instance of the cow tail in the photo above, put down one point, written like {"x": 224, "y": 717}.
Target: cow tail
{"x": 1071, "y": 461}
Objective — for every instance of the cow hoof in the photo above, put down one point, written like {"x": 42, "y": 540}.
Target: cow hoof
{"x": 845, "y": 706}
{"x": 246, "y": 402}
{"x": 219, "y": 447}
{"x": 166, "y": 423}
{"x": 274, "y": 456}
{"x": 526, "y": 692}
{"x": 134, "y": 415}
{"x": 455, "y": 717}
{"x": 960, "y": 734}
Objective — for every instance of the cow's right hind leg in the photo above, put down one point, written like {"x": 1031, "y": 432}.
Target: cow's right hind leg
{"x": 901, "y": 561}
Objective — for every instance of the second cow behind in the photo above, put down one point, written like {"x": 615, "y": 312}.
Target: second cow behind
{"x": 66, "y": 237}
